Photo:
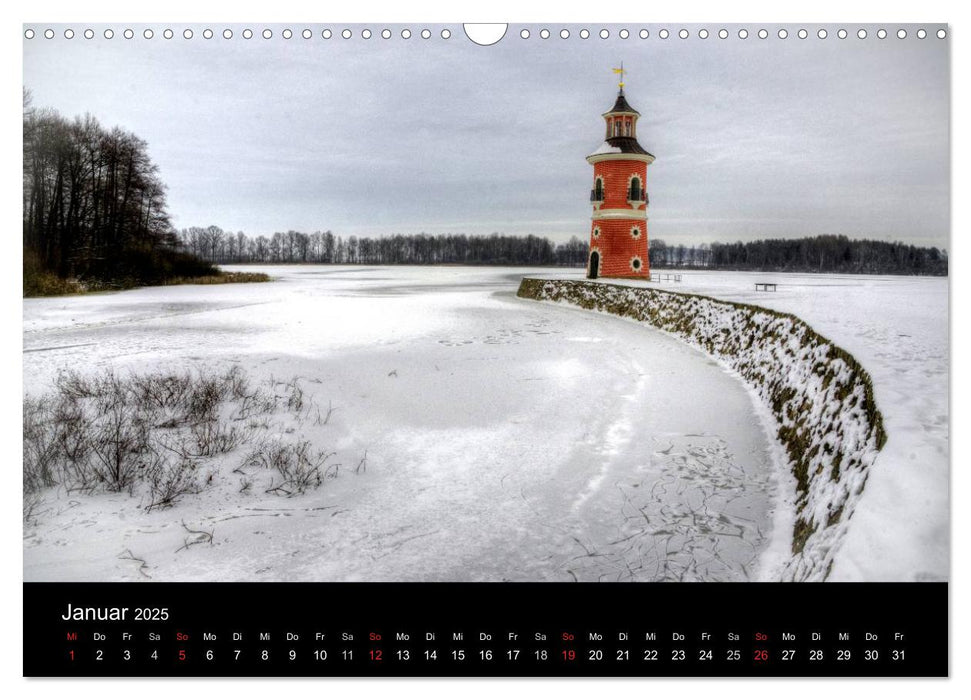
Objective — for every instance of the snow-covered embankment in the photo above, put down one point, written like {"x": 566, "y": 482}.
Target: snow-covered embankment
{"x": 819, "y": 395}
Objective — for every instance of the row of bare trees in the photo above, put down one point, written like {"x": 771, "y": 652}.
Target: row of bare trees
{"x": 838, "y": 254}
{"x": 218, "y": 246}
{"x": 93, "y": 203}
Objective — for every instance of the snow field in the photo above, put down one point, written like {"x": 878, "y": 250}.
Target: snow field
{"x": 504, "y": 440}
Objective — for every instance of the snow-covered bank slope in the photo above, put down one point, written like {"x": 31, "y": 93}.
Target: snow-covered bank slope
{"x": 820, "y": 396}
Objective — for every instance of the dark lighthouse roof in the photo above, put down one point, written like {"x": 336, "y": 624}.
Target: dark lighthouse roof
{"x": 627, "y": 144}
{"x": 621, "y": 104}
{"x": 624, "y": 144}
{"x": 621, "y": 136}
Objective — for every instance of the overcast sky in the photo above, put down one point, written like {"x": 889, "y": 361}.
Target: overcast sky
{"x": 753, "y": 138}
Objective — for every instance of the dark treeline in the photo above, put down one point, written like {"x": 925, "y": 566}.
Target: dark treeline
{"x": 815, "y": 254}
{"x": 94, "y": 207}
{"x": 217, "y": 246}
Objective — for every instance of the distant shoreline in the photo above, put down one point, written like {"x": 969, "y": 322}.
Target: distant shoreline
{"x": 58, "y": 287}
{"x": 665, "y": 268}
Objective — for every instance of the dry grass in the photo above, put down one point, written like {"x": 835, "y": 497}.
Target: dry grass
{"x": 224, "y": 278}
{"x": 157, "y": 434}
{"x": 45, "y": 284}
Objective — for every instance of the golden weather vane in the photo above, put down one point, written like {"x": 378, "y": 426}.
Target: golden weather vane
{"x": 621, "y": 71}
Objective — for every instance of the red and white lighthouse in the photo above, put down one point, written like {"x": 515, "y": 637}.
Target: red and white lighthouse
{"x": 618, "y": 230}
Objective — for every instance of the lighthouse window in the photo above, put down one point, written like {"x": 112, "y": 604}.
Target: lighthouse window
{"x": 635, "y": 232}
{"x": 635, "y": 264}
{"x": 596, "y": 232}
{"x": 635, "y": 188}
{"x": 599, "y": 190}
{"x": 616, "y": 128}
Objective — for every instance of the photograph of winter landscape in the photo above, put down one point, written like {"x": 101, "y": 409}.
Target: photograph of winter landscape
{"x": 591, "y": 303}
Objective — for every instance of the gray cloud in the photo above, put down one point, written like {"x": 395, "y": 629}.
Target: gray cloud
{"x": 753, "y": 138}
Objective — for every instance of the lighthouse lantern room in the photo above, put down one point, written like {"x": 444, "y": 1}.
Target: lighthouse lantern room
{"x": 618, "y": 230}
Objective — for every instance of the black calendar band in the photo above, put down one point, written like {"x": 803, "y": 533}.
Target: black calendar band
{"x": 493, "y": 629}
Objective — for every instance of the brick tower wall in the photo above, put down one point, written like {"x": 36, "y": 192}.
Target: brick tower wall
{"x": 616, "y": 174}
{"x": 616, "y": 245}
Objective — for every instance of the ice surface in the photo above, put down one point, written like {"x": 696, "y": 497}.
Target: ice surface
{"x": 505, "y": 440}
{"x": 512, "y": 441}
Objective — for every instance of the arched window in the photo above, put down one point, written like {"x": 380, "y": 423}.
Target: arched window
{"x": 635, "y": 189}
{"x": 616, "y": 128}
{"x": 598, "y": 190}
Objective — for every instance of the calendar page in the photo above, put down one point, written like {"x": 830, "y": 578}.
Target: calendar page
{"x": 430, "y": 349}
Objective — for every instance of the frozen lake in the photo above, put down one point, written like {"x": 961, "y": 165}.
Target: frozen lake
{"x": 504, "y": 439}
